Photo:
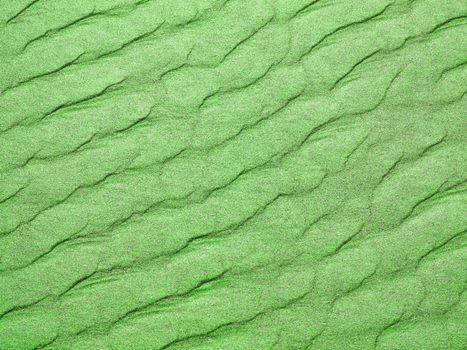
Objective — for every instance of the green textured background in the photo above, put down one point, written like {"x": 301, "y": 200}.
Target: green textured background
{"x": 244, "y": 174}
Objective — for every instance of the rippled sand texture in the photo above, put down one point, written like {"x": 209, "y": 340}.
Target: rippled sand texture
{"x": 243, "y": 174}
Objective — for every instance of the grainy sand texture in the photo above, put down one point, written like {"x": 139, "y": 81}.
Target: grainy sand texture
{"x": 233, "y": 175}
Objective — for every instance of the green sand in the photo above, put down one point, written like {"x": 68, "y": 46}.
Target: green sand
{"x": 243, "y": 174}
